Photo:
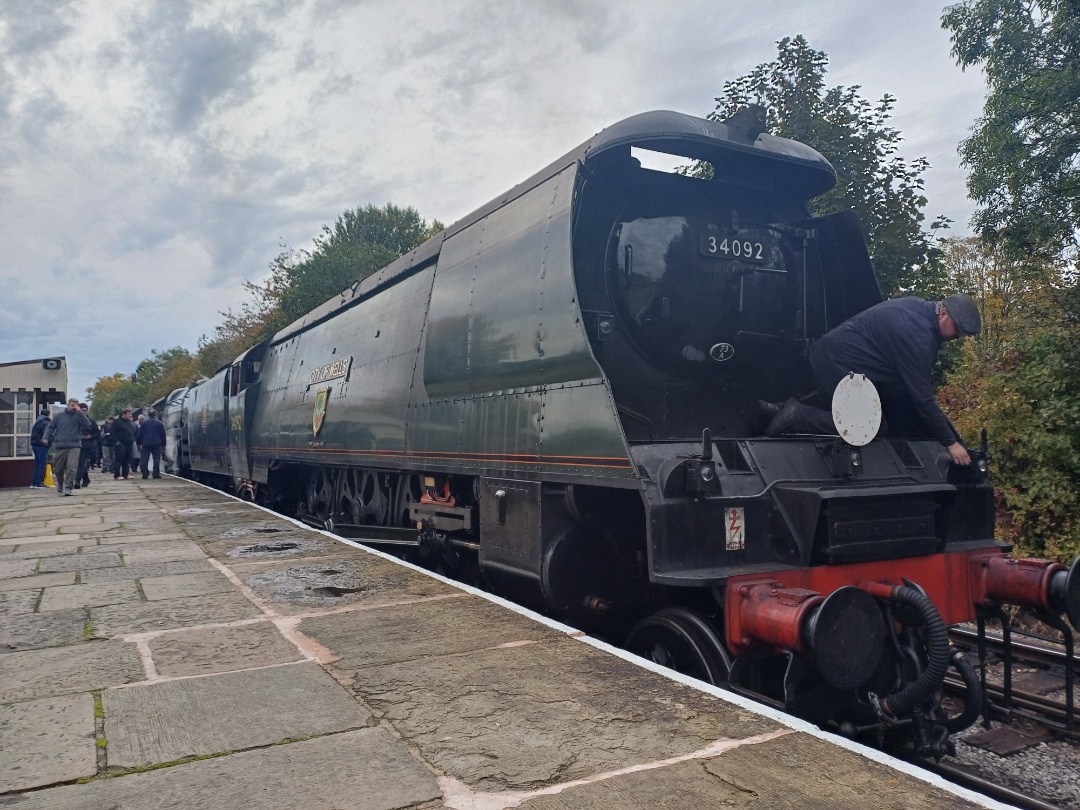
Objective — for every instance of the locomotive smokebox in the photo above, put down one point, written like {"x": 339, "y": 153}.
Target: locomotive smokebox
{"x": 843, "y": 633}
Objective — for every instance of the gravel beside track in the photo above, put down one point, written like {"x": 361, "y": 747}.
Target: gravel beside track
{"x": 1049, "y": 771}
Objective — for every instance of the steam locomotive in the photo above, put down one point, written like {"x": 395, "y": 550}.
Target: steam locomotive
{"x": 556, "y": 397}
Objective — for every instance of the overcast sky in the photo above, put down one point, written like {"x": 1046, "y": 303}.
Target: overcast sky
{"x": 155, "y": 154}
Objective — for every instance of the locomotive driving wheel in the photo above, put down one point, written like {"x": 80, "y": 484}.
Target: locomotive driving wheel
{"x": 407, "y": 492}
{"x": 681, "y": 640}
{"x": 362, "y": 500}
{"x": 319, "y": 494}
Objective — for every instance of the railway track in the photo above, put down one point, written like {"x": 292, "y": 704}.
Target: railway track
{"x": 1004, "y": 701}
{"x": 964, "y": 777}
{"x": 1024, "y": 719}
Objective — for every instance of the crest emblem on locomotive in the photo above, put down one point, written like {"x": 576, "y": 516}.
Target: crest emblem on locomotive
{"x": 318, "y": 416}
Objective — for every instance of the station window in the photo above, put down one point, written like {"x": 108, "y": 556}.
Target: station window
{"x": 16, "y": 419}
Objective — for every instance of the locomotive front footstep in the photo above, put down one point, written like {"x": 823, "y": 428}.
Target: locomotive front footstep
{"x": 557, "y": 398}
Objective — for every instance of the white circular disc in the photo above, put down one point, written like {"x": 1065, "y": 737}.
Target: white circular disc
{"x": 856, "y": 409}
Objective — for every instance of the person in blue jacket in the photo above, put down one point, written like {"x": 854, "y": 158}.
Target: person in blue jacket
{"x": 151, "y": 440}
{"x": 41, "y": 450}
{"x": 895, "y": 344}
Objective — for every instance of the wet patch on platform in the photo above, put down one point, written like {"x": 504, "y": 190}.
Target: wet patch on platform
{"x": 247, "y": 531}
{"x": 262, "y": 546}
{"x": 337, "y": 582}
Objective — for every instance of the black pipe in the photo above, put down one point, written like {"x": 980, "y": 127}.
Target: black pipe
{"x": 937, "y": 651}
{"x": 974, "y": 700}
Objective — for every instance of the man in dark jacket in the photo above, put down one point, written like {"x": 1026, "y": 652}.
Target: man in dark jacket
{"x": 64, "y": 434}
{"x": 151, "y": 439}
{"x": 88, "y": 452}
{"x": 124, "y": 436}
{"x": 895, "y": 344}
{"x": 41, "y": 450}
{"x": 107, "y": 444}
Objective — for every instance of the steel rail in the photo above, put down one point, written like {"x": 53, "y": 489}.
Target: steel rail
{"x": 961, "y": 776}
{"x": 1034, "y": 653}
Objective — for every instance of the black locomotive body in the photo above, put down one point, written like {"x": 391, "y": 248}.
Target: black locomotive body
{"x": 557, "y": 396}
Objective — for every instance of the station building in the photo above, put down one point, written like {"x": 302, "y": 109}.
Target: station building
{"x": 26, "y": 386}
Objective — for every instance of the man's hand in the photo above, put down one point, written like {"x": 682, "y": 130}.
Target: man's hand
{"x": 959, "y": 454}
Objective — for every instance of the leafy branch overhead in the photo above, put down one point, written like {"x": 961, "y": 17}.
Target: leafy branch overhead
{"x": 1024, "y": 152}
{"x": 873, "y": 179}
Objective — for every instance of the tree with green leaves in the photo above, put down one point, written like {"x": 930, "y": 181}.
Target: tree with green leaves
{"x": 362, "y": 241}
{"x": 154, "y": 377}
{"x": 883, "y": 188}
{"x": 1024, "y": 153}
{"x": 1020, "y": 379}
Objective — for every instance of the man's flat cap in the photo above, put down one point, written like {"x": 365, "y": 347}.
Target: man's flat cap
{"x": 964, "y": 312}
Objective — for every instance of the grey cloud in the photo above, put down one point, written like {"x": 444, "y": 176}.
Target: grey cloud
{"x": 38, "y": 115}
{"x": 194, "y": 67}
{"x": 30, "y": 29}
{"x": 36, "y": 25}
{"x": 306, "y": 57}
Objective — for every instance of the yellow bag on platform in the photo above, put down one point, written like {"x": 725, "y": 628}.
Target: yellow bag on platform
{"x": 48, "y": 476}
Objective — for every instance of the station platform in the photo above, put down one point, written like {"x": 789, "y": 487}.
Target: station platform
{"x": 166, "y": 646}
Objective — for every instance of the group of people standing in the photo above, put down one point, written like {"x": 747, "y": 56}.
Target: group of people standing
{"x": 78, "y": 444}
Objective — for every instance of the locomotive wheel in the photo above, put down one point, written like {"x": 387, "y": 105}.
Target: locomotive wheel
{"x": 681, "y": 640}
{"x": 407, "y": 492}
{"x": 362, "y": 500}
{"x": 319, "y": 496}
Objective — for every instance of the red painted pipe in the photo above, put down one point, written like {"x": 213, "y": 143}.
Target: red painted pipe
{"x": 998, "y": 579}
{"x": 768, "y": 614}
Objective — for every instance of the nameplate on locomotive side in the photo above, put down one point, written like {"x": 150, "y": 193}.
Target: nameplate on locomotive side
{"x": 331, "y": 371}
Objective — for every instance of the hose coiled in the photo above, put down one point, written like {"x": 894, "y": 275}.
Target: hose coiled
{"x": 937, "y": 650}
{"x": 973, "y": 703}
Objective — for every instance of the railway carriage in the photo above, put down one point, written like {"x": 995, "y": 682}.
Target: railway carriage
{"x": 557, "y": 396}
